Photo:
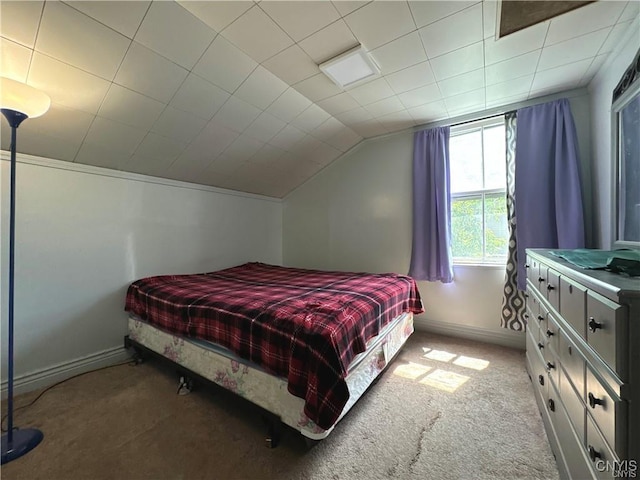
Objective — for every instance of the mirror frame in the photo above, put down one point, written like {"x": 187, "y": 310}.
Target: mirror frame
{"x": 627, "y": 90}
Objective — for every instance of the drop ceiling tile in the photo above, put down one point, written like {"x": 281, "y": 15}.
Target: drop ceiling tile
{"x": 420, "y": 96}
{"x": 412, "y": 77}
{"x": 425, "y": 13}
{"x": 345, "y": 139}
{"x": 237, "y": 65}
{"x": 199, "y": 97}
{"x": 429, "y": 112}
{"x": 630, "y": 12}
{"x": 237, "y": 114}
{"x": 154, "y": 167}
{"x": 518, "y": 86}
{"x": 225, "y": 166}
{"x": 385, "y": 107}
{"x": 64, "y": 123}
{"x": 461, "y": 61}
{"x": 185, "y": 172}
{"x": 616, "y": 37}
{"x": 33, "y": 142}
{"x": 506, "y": 102}
{"x": 210, "y": 143}
{"x": 311, "y": 118}
{"x": 257, "y": 35}
{"x": 73, "y": 38}
{"x": 323, "y": 153}
{"x": 515, "y": 44}
{"x": 583, "y": 20}
{"x": 155, "y": 146}
{"x": 175, "y": 33}
{"x": 466, "y": 102}
{"x": 289, "y": 105}
{"x": 267, "y": 155}
{"x": 123, "y": 17}
{"x": 146, "y": 72}
{"x": 129, "y": 107}
{"x": 329, "y": 42}
{"x": 397, "y": 121}
{"x": 380, "y": 22}
{"x": 355, "y": 115}
{"x": 369, "y": 128}
{"x": 345, "y": 7}
{"x": 101, "y": 156}
{"x": 67, "y": 85}
{"x": 593, "y": 69}
{"x": 400, "y": 53}
{"x": 114, "y": 135}
{"x": 243, "y": 148}
{"x": 467, "y": 25}
{"x": 572, "y": 50}
{"x": 301, "y": 19}
{"x": 261, "y": 88}
{"x": 328, "y": 129}
{"x": 338, "y": 103}
{"x": 317, "y": 87}
{"x": 15, "y": 60}
{"x": 513, "y": 68}
{"x": 292, "y": 65}
{"x": 371, "y": 92}
{"x": 178, "y": 125}
{"x": 462, "y": 83}
{"x": 218, "y": 15}
{"x": 287, "y": 137}
{"x": 560, "y": 78}
{"x": 19, "y": 21}
{"x": 265, "y": 127}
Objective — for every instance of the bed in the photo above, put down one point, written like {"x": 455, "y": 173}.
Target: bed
{"x": 302, "y": 344}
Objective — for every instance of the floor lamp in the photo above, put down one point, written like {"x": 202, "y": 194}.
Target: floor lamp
{"x": 18, "y": 102}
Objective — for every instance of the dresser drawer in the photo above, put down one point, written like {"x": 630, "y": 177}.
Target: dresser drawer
{"x": 607, "y": 332}
{"x": 573, "y": 363}
{"x": 607, "y": 412}
{"x": 537, "y": 368}
{"x": 573, "y": 305}
{"x": 601, "y": 456}
{"x": 533, "y": 270}
{"x": 574, "y": 405}
{"x": 552, "y": 289}
{"x": 552, "y": 332}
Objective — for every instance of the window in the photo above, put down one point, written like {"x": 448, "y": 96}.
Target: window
{"x": 478, "y": 192}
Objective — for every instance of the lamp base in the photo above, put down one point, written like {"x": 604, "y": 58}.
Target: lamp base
{"x": 22, "y": 443}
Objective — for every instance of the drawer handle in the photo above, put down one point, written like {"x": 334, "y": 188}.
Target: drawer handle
{"x": 593, "y": 453}
{"x": 526, "y": 315}
{"x": 541, "y": 379}
{"x": 540, "y": 318}
{"x": 593, "y": 325}
{"x": 550, "y": 366}
{"x": 540, "y": 345}
{"x": 526, "y": 265}
{"x": 540, "y": 279}
{"x": 552, "y": 405}
{"x": 550, "y": 287}
{"x": 550, "y": 333}
{"x": 593, "y": 400}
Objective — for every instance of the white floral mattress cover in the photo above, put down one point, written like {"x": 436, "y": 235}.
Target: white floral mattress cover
{"x": 270, "y": 392}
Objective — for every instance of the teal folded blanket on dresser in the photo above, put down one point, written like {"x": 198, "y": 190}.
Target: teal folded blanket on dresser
{"x": 620, "y": 261}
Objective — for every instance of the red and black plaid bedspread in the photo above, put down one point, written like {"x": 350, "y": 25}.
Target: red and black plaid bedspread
{"x": 304, "y": 325}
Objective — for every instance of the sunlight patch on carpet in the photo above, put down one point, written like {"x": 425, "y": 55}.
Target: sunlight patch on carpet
{"x": 411, "y": 370}
{"x": 470, "y": 362}
{"x": 444, "y": 380}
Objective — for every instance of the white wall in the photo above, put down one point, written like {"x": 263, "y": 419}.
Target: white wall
{"x": 356, "y": 215}
{"x": 84, "y": 233}
{"x": 601, "y": 91}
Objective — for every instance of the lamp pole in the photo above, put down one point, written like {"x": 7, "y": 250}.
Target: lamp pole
{"x": 18, "y": 101}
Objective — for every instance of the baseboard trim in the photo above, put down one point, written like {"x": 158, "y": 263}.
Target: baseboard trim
{"x": 506, "y": 338}
{"x": 50, "y": 375}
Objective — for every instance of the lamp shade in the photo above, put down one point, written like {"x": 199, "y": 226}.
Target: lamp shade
{"x": 23, "y": 98}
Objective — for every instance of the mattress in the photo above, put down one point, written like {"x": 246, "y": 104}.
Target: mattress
{"x": 303, "y": 325}
{"x": 270, "y": 392}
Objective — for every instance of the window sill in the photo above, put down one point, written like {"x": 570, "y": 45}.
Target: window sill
{"x": 481, "y": 265}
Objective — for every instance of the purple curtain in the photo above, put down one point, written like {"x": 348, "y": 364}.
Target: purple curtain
{"x": 431, "y": 252}
{"x": 548, "y": 191}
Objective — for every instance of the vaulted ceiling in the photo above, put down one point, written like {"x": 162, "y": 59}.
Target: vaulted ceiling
{"x": 229, "y": 93}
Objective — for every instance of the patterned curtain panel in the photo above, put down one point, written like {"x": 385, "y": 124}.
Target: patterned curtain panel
{"x": 513, "y": 303}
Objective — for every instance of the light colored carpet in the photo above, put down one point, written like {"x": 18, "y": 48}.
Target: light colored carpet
{"x": 445, "y": 409}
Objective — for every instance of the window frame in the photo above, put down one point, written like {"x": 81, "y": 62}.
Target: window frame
{"x": 467, "y": 128}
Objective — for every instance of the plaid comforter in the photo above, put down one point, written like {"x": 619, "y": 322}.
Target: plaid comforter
{"x": 303, "y": 325}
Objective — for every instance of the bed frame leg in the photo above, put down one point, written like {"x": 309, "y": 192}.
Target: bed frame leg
{"x": 274, "y": 431}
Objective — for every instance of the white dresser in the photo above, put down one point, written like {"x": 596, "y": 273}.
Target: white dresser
{"x": 583, "y": 357}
